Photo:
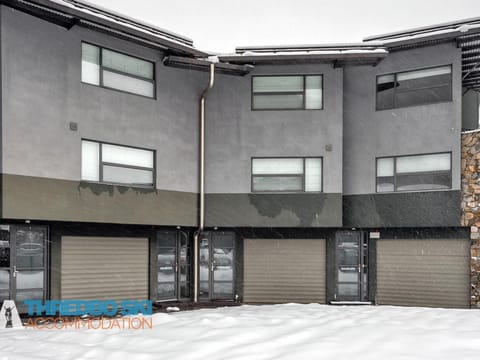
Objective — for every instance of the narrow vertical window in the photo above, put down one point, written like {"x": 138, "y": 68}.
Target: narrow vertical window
{"x": 90, "y": 64}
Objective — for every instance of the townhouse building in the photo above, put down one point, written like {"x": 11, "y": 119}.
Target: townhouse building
{"x": 323, "y": 173}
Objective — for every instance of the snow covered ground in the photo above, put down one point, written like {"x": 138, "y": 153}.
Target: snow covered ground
{"x": 289, "y": 331}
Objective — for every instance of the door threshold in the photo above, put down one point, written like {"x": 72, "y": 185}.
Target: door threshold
{"x": 350, "y": 303}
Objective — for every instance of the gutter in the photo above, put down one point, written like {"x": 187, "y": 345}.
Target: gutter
{"x": 201, "y": 223}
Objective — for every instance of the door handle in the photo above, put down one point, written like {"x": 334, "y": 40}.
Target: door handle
{"x": 15, "y": 271}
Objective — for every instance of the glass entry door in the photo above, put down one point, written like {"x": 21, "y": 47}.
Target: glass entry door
{"x": 351, "y": 249}
{"x": 23, "y": 259}
{"x": 173, "y": 265}
{"x": 217, "y": 266}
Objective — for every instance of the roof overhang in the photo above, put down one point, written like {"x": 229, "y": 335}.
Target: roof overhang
{"x": 339, "y": 54}
{"x": 204, "y": 65}
{"x": 69, "y": 13}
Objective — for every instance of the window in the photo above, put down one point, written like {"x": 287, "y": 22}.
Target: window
{"x": 287, "y": 174}
{"x": 287, "y": 92}
{"x": 117, "y": 164}
{"x": 416, "y": 87}
{"x": 118, "y": 71}
{"x": 414, "y": 172}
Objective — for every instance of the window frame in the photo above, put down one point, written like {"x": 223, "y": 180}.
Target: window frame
{"x": 412, "y": 173}
{"x": 395, "y": 74}
{"x": 101, "y": 164}
{"x": 252, "y": 93}
{"x": 302, "y": 191}
{"x": 101, "y": 68}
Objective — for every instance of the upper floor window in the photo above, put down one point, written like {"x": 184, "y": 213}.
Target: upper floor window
{"x": 287, "y": 174}
{"x": 418, "y": 87}
{"x": 117, "y": 164}
{"x": 117, "y": 71}
{"x": 414, "y": 172}
{"x": 287, "y": 92}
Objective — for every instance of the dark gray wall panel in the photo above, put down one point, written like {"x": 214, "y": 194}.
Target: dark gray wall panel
{"x": 418, "y": 209}
{"x": 284, "y": 270}
{"x": 35, "y": 198}
{"x": 424, "y": 272}
{"x": 279, "y": 210}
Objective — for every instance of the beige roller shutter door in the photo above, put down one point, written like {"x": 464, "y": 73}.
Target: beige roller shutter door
{"x": 104, "y": 268}
{"x": 281, "y": 270}
{"x": 433, "y": 272}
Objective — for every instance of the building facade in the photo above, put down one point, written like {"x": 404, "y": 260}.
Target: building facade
{"x": 333, "y": 173}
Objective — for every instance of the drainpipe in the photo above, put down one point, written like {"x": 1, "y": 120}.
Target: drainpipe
{"x": 201, "y": 223}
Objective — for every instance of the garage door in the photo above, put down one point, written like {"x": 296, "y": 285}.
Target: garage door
{"x": 433, "y": 272}
{"x": 104, "y": 268}
{"x": 281, "y": 270}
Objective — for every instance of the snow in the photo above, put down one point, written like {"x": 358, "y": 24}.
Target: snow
{"x": 462, "y": 28}
{"x": 289, "y": 331}
{"x": 312, "y": 52}
{"x": 112, "y": 17}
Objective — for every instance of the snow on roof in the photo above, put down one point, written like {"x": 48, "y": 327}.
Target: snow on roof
{"x": 311, "y": 49}
{"x": 313, "y": 52}
{"x": 107, "y": 14}
{"x": 424, "y": 33}
{"x": 87, "y": 14}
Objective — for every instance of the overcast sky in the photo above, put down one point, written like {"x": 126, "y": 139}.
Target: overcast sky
{"x": 218, "y": 25}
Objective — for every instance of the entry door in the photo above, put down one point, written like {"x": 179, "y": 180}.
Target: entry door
{"x": 217, "y": 266}
{"x": 351, "y": 250}
{"x": 23, "y": 259}
{"x": 174, "y": 265}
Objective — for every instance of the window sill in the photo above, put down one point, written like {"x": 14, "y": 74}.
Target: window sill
{"x": 133, "y": 186}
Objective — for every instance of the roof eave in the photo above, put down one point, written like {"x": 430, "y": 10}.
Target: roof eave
{"x": 363, "y": 58}
{"x": 204, "y": 65}
{"x": 81, "y": 18}
{"x": 436, "y": 38}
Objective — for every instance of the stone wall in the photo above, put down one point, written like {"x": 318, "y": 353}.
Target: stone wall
{"x": 471, "y": 204}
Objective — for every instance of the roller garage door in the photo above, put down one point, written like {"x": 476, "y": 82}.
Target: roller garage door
{"x": 427, "y": 272}
{"x": 281, "y": 270}
{"x": 104, "y": 268}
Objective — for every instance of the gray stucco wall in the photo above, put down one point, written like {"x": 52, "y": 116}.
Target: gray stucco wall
{"x": 368, "y": 134}
{"x": 235, "y": 134}
{"x": 42, "y": 78}
{"x": 43, "y": 93}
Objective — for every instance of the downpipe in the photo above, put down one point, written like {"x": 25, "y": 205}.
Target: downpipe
{"x": 201, "y": 222}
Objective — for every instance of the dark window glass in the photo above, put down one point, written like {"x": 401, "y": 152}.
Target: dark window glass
{"x": 412, "y": 88}
{"x": 4, "y": 249}
{"x": 415, "y": 172}
{"x": 424, "y": 181}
